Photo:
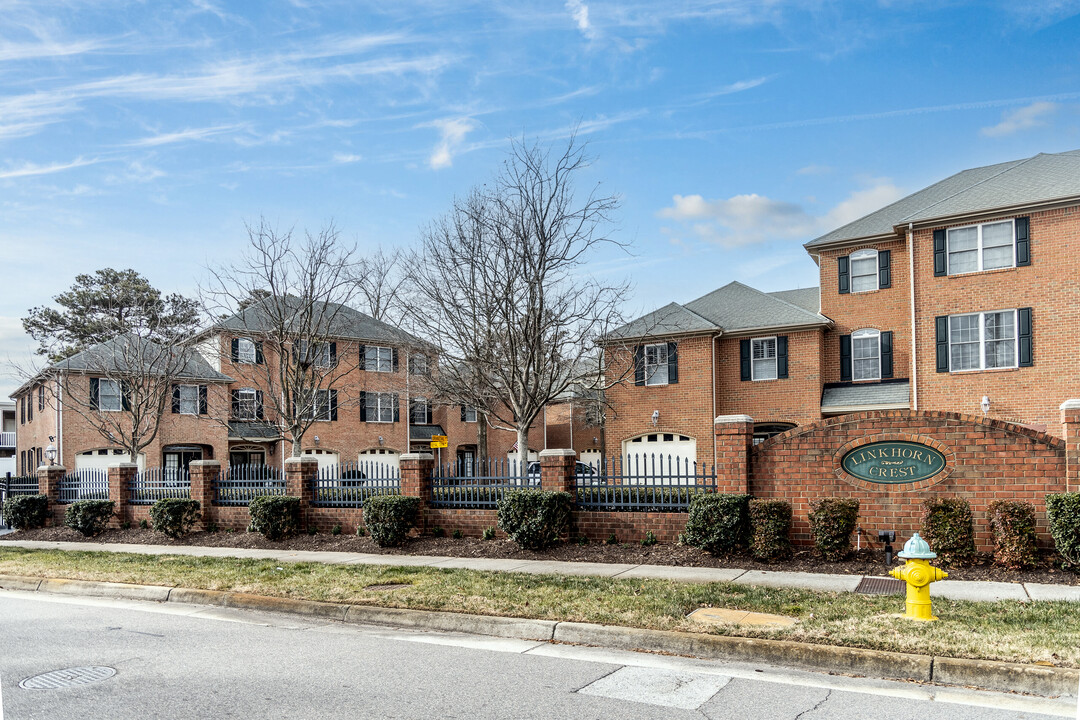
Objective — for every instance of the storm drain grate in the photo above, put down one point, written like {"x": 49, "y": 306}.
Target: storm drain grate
{"x": 388, "y": 586}
{"x": 880, "y": 586}
{"x": 68, "y": 678}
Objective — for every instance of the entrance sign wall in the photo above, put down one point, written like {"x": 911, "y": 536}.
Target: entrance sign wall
{"x": 890, "y": 463}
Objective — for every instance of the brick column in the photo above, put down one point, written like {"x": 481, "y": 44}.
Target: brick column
{"x": 204, "y": 474}
{"x": 1070, "y": 432}
{"x": 300, "y": 475}
{"x": 121, "y": 477}
{"x": 416, "y": 472}
{"x": 734, "y": 440}
{"x": 557, "y": 470}
{"x": 49, "y": 477}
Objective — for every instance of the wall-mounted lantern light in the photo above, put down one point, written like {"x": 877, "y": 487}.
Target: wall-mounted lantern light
{"x": 985, "y": 404}
{"x": 655, "y": 417}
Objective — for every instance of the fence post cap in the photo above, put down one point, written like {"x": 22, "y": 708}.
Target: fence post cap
{"x": 123, "y": 465}
{"x": 1073, "y": 404}
{"x": 205, "y": 463}
{"x": 301, "y": 460}
{"x": 417, "y": 456}
{"x": 54, "y": 468}
{"x": 723, "y": 419}
{"x": 558, "y": 452}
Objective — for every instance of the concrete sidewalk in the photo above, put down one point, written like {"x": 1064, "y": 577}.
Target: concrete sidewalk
{"x": 952, "y": 589}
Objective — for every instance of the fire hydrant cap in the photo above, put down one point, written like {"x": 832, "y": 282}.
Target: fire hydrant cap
{"x": 916, "y": 549}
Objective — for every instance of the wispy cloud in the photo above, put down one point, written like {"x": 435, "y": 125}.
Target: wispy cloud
{"x": 452, "y": 132}
{"x": 1025, "y": 118}
{"x": 30, "y": 169}
{"x": 736, "y": 87}
{"x": 16, "y": 52}
{"x": 183, "y": 135}
{"x": 346, "y": 158}
{"x": 814, "y": 170}
{"x": 579, "y": 11}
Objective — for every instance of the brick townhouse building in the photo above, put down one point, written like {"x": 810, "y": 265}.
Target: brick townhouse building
{"x": 377, "y": 407}
{"x": 962, "y": 297}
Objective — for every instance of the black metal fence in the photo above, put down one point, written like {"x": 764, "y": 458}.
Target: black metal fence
{"x": 12, "y": 485}
{"x": 85, "y": 484}
{"x": 239, "y": 484}
{"x": 149, "y": 486}
{"x": 350, "y": 484}
{"x": 480, "y": 484}
{"x": 642, "y": 483}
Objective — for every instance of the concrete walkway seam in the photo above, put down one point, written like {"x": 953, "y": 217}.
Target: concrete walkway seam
{"x": 986, "y": 674}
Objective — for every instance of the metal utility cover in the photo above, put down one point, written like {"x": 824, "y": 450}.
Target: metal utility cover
{"x": 880, "y": 586}
{"x": 68, "y": 678}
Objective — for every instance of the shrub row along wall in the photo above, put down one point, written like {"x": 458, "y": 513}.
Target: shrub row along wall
{"x": 985, "y": 460}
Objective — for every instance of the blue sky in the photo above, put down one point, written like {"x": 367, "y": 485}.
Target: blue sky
{"x": 144, "y": 134}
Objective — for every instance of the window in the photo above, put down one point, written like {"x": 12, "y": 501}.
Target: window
{"x": 418, "y": 364}
{"x": 189, "y": 399}
{"x": 318, "y": 354}
{"x": 378, "y": 359}
{"x": 319, "y": 408}
{"x": 656, "y": 364}
{"x": 864, "y": 271}
{"x": 468, "y": 413}
{"x": 380, "y": 407}
{"x": 980, "y": 341}
{"x": 246, "y": 405}
{"x": 245, "y": 350}
{"x": 109, "y": 395}
{"x": 866, "y": 355}
{"x": 763, "y": 358}
{"x": 29, "y": 406}
{"x": 981, "y": 247}
{"x": 41, "y": 397}
{"x": 420, "y": 412}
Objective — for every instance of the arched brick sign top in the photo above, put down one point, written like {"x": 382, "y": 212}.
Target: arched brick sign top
{"x": 912, "y": 438}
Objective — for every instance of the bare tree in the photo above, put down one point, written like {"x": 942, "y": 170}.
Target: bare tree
{"x": 379, "y": 281}
{"x": 289, "y": 296}
{"x": 501, "y": 281}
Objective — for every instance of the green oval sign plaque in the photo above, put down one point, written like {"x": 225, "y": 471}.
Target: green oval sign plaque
{"x": 889, "y": 463}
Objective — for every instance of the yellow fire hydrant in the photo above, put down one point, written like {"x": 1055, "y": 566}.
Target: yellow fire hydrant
{"x": 918, "y": 574}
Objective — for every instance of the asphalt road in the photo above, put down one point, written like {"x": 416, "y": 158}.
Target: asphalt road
{"x": 175, "y": 661}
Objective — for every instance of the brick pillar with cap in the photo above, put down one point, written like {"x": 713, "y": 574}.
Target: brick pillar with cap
{"x": 734, "y": 440}
{"x": 49, "y": 477}
{"x": 203, "y": 474}
{"x": 300, "y": 474}
{"x": 557, "y": 470}
{"x": 121, "y": 478}
{"x": 1070, "y": 432}
{"x": 416, "y": 472}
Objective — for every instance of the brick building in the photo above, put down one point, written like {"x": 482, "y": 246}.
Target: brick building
{"x": 961, "y": 297}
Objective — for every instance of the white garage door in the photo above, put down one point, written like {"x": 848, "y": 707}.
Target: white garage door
{"x": 325, "y": 458}
{"x": 592, "y": 458}
{"x": 102, "y": 459}
{"x": 381, "y": 462}
{"x": 661, "y": 455}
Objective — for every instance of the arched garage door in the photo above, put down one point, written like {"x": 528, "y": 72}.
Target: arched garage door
{"x": 660, "y": 453}
{"x": 103, "y": 458}
{"x": 382, "y": 462}
{"x": 325, "y": 458}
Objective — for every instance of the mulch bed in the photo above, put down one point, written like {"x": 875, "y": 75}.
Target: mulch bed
{"x": 865, "y": 562}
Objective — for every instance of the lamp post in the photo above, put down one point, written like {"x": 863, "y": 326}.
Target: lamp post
{"x": 50, "y": 452}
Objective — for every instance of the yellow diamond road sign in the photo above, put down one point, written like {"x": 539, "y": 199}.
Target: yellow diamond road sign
{"x": 439, "y": 441}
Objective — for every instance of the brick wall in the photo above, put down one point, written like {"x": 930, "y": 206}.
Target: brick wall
{"x": 986, "y": 460}
{"x": 795, "y": 399}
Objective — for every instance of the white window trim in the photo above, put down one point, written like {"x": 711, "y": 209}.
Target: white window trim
{"x": 982, "y": 340}
{"x": 412, "y": 363}
{"x": 311, "y": 413}
{"x": 475, "y": 415}
{"x": 240, "y": 355}
{"x": 862, "y": 255}
{"x": 776, "y": 365}
{"x": 254, "y": 399}
{"x": 979, "y": 248}
{"x": 196, "y": 388}
{"x": 416, "y": 403}
{"x": 119, "y": 396}
{"x": 866, "y": 332}
{"x": 378, "y": 407}
{"x": 645, "y": 363}
{"x": 308, "y": 351}
{"x": 378, "y": 348}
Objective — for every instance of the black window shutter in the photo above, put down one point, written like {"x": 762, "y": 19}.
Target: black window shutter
{"x": 1023, "y": 241}
{"x": 94, "y": 403}
{"x": 363, "y": 358}
{"x": 781, "y": 356}
{"x": 333, "y": 404}
{"x": 175, "y": 398}
{"x": 397, "y": 409}
{"x": 235, "y": 399}
{"x": 394, "y": 358}
{"x": 259, "y": 358}
{"x": 886, "y": 355}
{"x": 462, "y": 413}
{"x": 672, "y": 363}
{"x": 941, "y": 329}
{"x": 202, "y": 400}
{"x": 125, "y": 395}
{"x": 884, "y": 258}
{"x": 940, "y": 267}
{"x": 639, "y": 365}
{"x": 258, "y": 405}
{"x": 333, "y": 354}
{"x": 363, "y": 407}
{"x": 744, "y": 359}
{"x": 234, "y": 355}
{"x": 843, "y": 264}
{"x": 427, "y": 414}
{"x": 845, "y": 358}
{"x": 1027, "y": 355}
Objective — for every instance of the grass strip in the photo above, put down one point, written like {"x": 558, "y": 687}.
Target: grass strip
{"x": 1047, "y": 632}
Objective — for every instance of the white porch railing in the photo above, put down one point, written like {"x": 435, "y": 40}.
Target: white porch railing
{"x": 7, "y": 439}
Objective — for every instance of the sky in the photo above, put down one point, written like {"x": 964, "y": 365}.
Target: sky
{"x": 146, "y": 134}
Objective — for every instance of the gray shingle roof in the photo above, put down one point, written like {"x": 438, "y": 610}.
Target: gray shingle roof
{"x": 866, "y": 396}
{"x": 806, "y": 298}
{"x": 1042, "y": 178}
{"x": 424, "y": 432}
{"x": 256, "y": 430}
{"x": 123, "y": 353}
{"x": 672, "y": 319}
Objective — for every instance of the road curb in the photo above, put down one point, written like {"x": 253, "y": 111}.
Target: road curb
{"x": 1038, "y": 680}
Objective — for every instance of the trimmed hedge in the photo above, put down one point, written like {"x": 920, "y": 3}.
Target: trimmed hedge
{"x": 1013, "y": 525}
{"x": 90, "y": 517}
{"x": 770, "y": 526}
{"x": 175, "y": 516}
{"x": 832, "y": 520}
{"x": 390, "y": 518}
{"x": 535, "y": 519}
{"x": 1063, "y": 517}
{"x": 717, "y": 522}
{"x": 275, "y": 516}
{"x": 26, "y": 512}
{"x": 949, "y": 528}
